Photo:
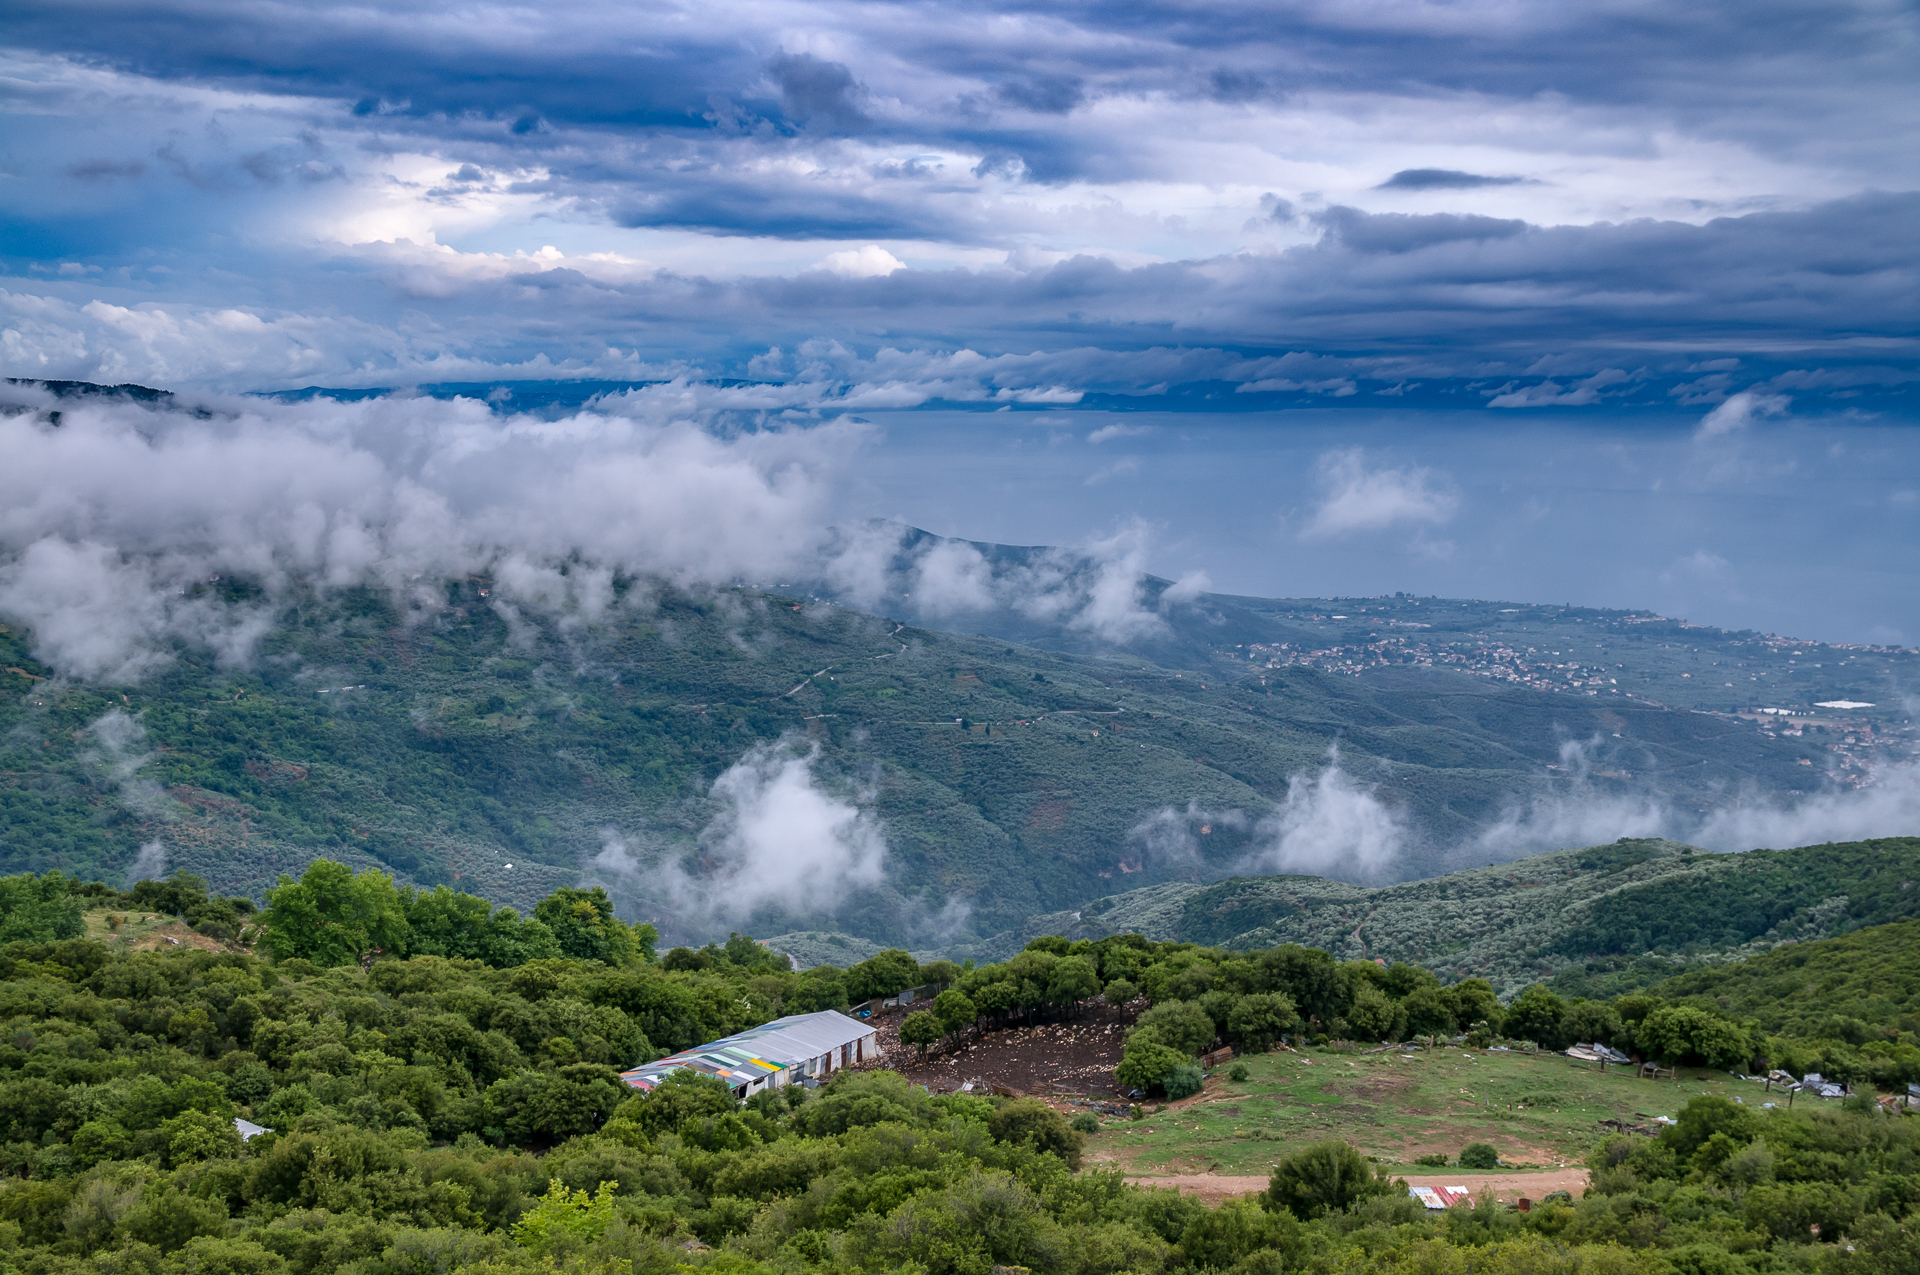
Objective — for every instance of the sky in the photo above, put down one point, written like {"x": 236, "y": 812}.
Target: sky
{"x": 1613, "y": 303}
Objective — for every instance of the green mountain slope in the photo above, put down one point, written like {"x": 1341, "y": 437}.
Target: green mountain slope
{"x": 473, "y": 744}
{"x": 1605, "y": 919}
{"x": 1800, "y": 989}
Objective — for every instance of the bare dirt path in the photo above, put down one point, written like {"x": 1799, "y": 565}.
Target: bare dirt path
{"x": 1214, "y": 1189}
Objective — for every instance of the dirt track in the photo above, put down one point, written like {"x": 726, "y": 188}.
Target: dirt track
{"x": 1214, "y": 1189}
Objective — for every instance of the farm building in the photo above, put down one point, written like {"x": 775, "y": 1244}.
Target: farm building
{"x": 783, "y": 1052}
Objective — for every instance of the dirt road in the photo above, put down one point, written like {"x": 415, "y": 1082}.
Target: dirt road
{"x": 1213, "y": 1189}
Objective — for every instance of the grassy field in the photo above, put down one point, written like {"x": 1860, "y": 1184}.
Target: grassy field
{"x": 1539, "y": 1111}
{"x": 148, "y": 932}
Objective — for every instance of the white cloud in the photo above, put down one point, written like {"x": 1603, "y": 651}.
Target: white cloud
{"x": 1097, "y": 588}
{"x": 1740, "y": 411}
{"x": 784, "y": 839}
{"x": 1329, "y": 825}
{"x": 950, "y": 577}
{"x": 780, "y": 839}
{"x": 1118, "y": 469}
{"x": 1358, "y": 497}
{"x": 1185, "y": 589}
{"x": 1107, "y": 433}
{"x": 1170, "y": 839}
{"x": 119, "y": 754}
{"x": 1574, "y": 813}
{"x": 1110, "y": 604}
{"x": 1552, "y": 394}
{"x": 869, "y": 262}
{"x": 1888, "y": 806}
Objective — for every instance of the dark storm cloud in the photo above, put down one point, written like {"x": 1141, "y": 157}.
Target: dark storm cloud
{"x": 1045, "y": 94}
{"x": 1442, "y": 179}
{"x": 1760, "y": 71}
{"x": 1079, "y": 176}
{"x": 814, "y": 91}
{"x": 1401, "y": 232}
{"x": 1444, "y": 283}
{"x": 1388, "y": 295}
{"x": 1826, "y": 300}
{"x": 788, "y": 210}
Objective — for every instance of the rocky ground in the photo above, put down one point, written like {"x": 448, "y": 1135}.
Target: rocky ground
{"x": 1073, "y": 1057}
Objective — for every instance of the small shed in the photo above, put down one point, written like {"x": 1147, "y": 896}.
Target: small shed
{"x": 1441, "y": 1197}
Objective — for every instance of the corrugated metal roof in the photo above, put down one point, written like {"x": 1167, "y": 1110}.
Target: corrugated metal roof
{"x": 760, "y": 1051}
{"x": 1441, "y": 1197}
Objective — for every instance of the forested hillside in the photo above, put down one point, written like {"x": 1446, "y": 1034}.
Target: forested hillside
{"x": 472, "y": 743}
{"x": 1606, "y": 919}
{"x": 1852, "y": 987}
{"x": 441, "y": 1113}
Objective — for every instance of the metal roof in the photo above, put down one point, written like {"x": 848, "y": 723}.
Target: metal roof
{"x": 758, "y": 1052}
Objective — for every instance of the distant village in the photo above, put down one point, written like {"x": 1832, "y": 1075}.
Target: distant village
{"x": 1840, "y": 726}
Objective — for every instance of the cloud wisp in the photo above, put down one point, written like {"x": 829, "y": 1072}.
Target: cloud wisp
{"x": 786, "y": 843}
{"x": 779, "y": 840}
{"x": 1330, "y": 824}
{"x": 1579, "y": 812}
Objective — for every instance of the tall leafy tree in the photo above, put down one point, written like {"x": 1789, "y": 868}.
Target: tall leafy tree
{"x": 882, "y": 974}
{"x": 39, "y": 909}
{"x": 584, "y": 925}
{"x": 332, "y": 917}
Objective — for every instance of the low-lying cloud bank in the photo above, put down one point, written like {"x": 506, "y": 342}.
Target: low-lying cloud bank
{"x": 1330, "y": 824}
{"x": 116, "y": 517}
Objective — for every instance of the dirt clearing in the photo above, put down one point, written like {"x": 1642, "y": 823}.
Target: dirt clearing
{"x": 1075, "y": 1057}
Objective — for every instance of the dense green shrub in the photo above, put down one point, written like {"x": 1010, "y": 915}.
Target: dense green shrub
{"x": 1029, "y": 1122}
{"x": 1183, "y": 1081}
{"x": 1477, "y": 1155}
{"x": 1327, "y": 1177}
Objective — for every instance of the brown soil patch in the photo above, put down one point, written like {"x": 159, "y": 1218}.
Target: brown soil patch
{"x": 1070, "y": 1058}
{"x": 1215, "y": 1189}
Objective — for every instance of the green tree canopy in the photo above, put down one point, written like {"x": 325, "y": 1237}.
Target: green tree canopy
{"x": 1259, "y": 1019}
{"x": 885, "y": 973}
{"x": 40, "y": 908}
{"x": 330, "y": 916}
{"x": 1536, "y": 1015}
{"x": 1030, "y": 1122}
{"x": 585, "y": 927}
{"x": 920, "y": 1029}
{"x": 1682, "y": 1033}
{"x": 1327, "y": 1177}
{"x": 1182, "y": 1025}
